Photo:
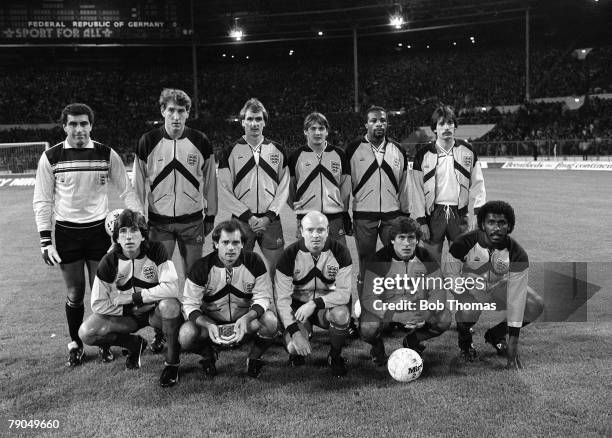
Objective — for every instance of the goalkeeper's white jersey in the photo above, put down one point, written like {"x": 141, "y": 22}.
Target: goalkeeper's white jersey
{"x": 72, "y": 184}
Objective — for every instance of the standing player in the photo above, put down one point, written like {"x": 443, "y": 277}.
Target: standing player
{"x": 403, "y": 258}
{"x": 321, "y": 179}
{"x": 254, "y": 181}
{"x": 380, "y": 183}
{"x": 447, "y": 177}
{"x": 72, "y": 188}
{"x": 136, "y": 286}
{"x": 228, "y": 287}
{"x": 175, "y": 166}
{"x": 313, "y": 282}
{"x": 489, "y": 253}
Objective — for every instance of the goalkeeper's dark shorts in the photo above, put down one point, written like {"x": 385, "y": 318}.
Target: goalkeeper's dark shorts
{"x": 76, "y": 242}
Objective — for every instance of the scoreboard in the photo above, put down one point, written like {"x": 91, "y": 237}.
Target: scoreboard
{"x": 94, "y": 21}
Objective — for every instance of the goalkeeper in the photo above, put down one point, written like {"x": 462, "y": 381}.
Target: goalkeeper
{"x": 491, "y": 254}
{"x": 72, "y": 186}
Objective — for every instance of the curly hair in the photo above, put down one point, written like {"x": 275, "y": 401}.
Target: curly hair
{"x": 497, "y": 207}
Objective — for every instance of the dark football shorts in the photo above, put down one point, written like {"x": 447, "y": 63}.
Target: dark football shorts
{"x": 191, "y": 233}
{"x": 81, "y": 242}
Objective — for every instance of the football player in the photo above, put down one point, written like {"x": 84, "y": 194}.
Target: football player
{"x": 447, "y": 178}
{"x": 320, "y": 179}
{"x": 174, "y": 172}
{"x": 228, "y": 290}
{"x": 502, "y": 265}
{"x": 403, "y": 258}
{"x": 380, "y": 181}
{"x": 136, "y": 286}
{"x": 254, "y": 180}
{"x": 72, "y": 184}
{"x": 313, "y": 287}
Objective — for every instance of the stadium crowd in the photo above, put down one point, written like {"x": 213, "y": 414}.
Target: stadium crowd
{"x": 124, "y": 100}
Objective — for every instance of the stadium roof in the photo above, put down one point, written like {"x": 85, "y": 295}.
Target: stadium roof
{"x": 301, "y": 20}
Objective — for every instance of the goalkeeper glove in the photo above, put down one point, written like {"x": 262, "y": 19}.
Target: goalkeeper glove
{"x": 50, "y": 255}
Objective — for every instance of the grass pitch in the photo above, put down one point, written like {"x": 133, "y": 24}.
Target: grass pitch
{"x": 564, "y": 389}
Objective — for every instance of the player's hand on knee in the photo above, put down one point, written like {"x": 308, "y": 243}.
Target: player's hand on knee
{"x": 50, "y": 255}
{"x": 301, "y": 344}
{"x": 425, "y": 232}
{"x": 514, "y": 362}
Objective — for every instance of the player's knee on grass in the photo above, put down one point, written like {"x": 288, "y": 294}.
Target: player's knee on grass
{"x": 169, "y": 308}
{"x": 268, "y": 324}
{"x": 339, "y": 316}
{"x": 534, "y": 306}
{"x": 189, "y": 335}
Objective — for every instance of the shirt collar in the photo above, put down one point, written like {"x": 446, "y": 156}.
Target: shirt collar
{"x": 89, "y": 145}
{"x": 380, "y": 148}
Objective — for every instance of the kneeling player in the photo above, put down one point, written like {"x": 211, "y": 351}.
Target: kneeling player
{"x": 313, "y": 279}
{"x": 500, "y": 267}
{"x": 228, "y": 289}
{"x": 414, "y": 272}
{"x": 135, "y": 286}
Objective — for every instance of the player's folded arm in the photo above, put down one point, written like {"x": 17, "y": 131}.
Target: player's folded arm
{"x": 168, "y": 286}
{"x": 339, "y": 296}
{"x": 101, "y": 301}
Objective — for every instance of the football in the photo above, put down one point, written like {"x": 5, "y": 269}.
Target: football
{"x": 500, "y": 261}
{"x": 405, "y": 365}
{"x": 109, "y": 222}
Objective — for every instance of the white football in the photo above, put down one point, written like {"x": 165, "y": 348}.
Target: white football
{"x": 500, "y": 261}
{"x": 405, "y": 365}
{"x": 109, "y": 222}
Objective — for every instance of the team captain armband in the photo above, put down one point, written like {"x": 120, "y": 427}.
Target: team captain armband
{"x": 45, "y": 238}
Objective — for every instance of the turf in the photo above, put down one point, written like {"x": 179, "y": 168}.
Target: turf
{"x": 563, "y": 391}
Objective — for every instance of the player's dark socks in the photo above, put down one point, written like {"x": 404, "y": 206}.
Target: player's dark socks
{"x": 170, "y": 329}
{"x": 74, "y": 316}
{"x": 124, "y": 340}
{"x": 498, "y": 331}
{"x": 206, "y": 349}
{"x": 260, "y": 345}
{"x": 337, "y": 338}
{"x": 464, "y": 334}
